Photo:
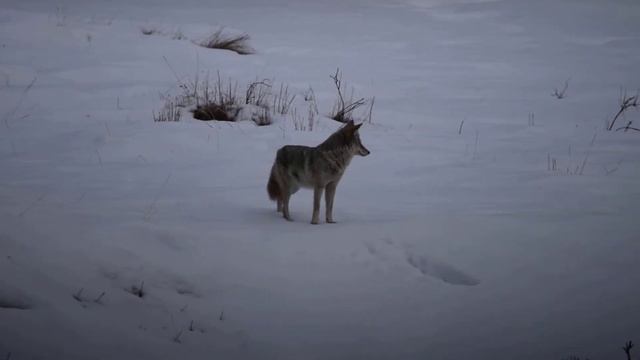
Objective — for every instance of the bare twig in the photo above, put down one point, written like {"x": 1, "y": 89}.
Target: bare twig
{"x": 475, "y": 148}
{"x": 78, "y": 295}
{"x": 460, "y": 128}
{"x": 282, "y": 102}
{"x": 531, "y": 119}
{"x": 99, "y": 157}
{"x": 628, "y": 127}
{"x": 177, "y": 337}
{"x": 373, "y": 100}
{"x": 40, "y": 198}
{"x": 152, "y": 207}
{"x": 627, "y": 349}
{"x": 11, "y": 113}
{"x": 173, "y": 72}
{"x": 586, "y": 156}
{"x": 98, "y": 300}
{"x": 625, "y": 103}
{"x": 257, "y": 97}
{"x": 561, "y": 94}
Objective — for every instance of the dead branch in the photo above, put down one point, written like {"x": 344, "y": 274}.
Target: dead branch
{"x": 625, "y": 103}
{"x": 627, "y": 349}
{"x": 11, "y": 113}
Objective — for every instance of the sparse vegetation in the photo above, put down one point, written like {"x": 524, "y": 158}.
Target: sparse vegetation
{"x": 238, "y": 43}
{"x": 170, "y": 112}
{"x": 223, "y": 100}
{"x": 282, "y": 101}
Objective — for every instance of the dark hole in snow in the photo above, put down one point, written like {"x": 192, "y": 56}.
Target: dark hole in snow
{"x": 14, "y": 304}
{"x": 211, "y": 112}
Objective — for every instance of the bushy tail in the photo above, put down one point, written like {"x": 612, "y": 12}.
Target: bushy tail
{"x": 272, "y": 187}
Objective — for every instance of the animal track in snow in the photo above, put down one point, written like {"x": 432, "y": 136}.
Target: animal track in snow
{"x": 424, "y": 264}
{"x": 439, "y": 270}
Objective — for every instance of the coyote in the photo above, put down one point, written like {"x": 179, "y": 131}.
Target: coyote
{"x": 319, "y": 167}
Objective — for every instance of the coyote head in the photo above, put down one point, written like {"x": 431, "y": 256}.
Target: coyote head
{"x": 353, "y": 138}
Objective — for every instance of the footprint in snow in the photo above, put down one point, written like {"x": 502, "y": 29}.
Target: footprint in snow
{"x": 442, "y": 271}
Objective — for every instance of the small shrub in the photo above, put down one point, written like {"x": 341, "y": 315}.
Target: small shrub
{"x": 342, "y": 110}
{"x": 217, "y": 102}
{"x": 236, "y": 43}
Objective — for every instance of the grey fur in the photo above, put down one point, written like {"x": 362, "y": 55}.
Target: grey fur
{"x": 319, "y": 168}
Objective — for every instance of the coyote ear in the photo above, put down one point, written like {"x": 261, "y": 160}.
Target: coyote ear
{"x": 358, "y": 126}
{"x": 350, "y": 123}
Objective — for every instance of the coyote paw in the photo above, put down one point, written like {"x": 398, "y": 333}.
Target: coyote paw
{"x": 314, "y": 222}
{"x": 331, "y": 221}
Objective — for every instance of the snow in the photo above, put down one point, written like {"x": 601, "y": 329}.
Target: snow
{"x": 448, "y": 245}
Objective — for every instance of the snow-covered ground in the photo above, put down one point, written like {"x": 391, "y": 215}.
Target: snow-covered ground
{"x": 448, "y": 245}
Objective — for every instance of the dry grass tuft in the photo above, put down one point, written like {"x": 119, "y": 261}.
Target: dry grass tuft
{"x": 170, "y": 112}
{"x": 236, "y": 43}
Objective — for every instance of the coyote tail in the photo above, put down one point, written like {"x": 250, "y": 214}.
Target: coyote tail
{"x": 272, "y": 187}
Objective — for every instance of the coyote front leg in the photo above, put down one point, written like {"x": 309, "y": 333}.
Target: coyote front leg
{"x": 317, "y": 195}
{"x": 285, "y": 205}
{"x": 328, "y": 197}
